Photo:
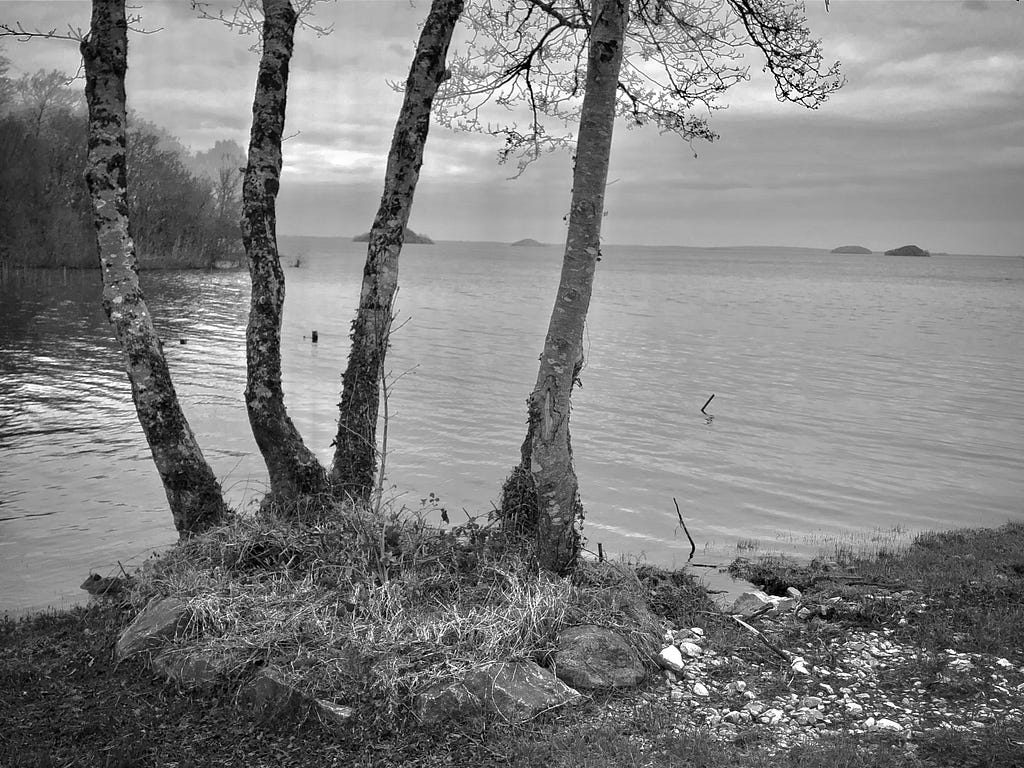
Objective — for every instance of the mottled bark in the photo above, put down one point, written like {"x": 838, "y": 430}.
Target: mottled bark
{"x": 294, "y": 470}
{"x": 192, "y": 489}
{"x": 355, "y": 445}
{"x": 543, "y": 493}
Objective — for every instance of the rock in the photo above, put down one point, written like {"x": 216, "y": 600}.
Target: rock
{"x": 853, "y": 708}
{"x": 699, "y": 689}
{"x": 851, "y": 249}
{"x": 907, "y": 250}
{"x": 514, "y": 691}
{"x": 690, "y": 649}
{"x": 771, "y": 716}
{"x": 157, "y": 622}
{"x": 589, "y": 657}
{"x": 799, "y": 666}
{"x": 103, "y": 586}
{"x": 750, "y": 603}
{"x": 671, "y": 658}
{"x": 794, "y": 592}
{"x": 811, "y": 702}
{"x": 270, "y": 694}
{"x": 884, "y": 724}
{"x": 733, "y": 717}
{"x": 200, "y": 671}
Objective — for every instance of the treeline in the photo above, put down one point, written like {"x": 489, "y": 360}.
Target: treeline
{"x": 184, "y": 207}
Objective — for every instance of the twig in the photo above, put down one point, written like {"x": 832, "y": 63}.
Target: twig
{"x": 707, "y": 403}
{"x": 693, "y": 547}
{"x": 784, "y": 655}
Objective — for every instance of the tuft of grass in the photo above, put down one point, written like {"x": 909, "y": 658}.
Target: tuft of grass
{"x": 357, "y": 607}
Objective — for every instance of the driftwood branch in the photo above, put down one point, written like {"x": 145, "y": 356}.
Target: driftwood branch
{"x": 693, "y": 547}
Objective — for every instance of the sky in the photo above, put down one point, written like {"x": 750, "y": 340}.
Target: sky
{"x": 923, "y": 145}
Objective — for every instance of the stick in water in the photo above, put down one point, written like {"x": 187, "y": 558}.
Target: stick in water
{"x": 693, "y": 547}
{"x": 707, "y": 403}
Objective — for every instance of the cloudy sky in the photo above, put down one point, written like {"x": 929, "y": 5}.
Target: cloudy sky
{"x": 924, "y": 145}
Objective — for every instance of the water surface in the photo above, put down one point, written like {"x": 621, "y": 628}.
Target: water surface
{"x": 852, "y": 393}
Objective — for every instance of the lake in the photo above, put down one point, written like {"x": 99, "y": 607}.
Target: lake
{"x": 856, "y": 397}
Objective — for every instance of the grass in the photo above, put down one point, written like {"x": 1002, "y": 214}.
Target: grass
{"x": 371, "y": 611}
{"x": 356, "y": 607}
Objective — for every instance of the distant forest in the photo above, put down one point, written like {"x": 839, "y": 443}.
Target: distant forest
{"x": 184, "y": 206}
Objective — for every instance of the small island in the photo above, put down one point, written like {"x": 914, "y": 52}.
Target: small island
{"x": 851, "y": 249}
{"x": 411, "y": 238}
{"x": 528, "y": 242}
{"x": 907, "y": 250}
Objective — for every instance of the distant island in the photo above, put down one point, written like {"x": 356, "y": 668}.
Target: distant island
{"x": 851, "y": 249}
{"x": 907, "y": 250}
{"x": 410, "y": 238}
{"x": 528, "y": 242}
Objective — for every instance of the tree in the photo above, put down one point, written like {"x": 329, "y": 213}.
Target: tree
{"x": 44, "y": 92}
{"x": 293, "y": 468}
{"x": 352, "y": 471}
{"x": 192, "y": 489}
{"x": 693, "y": 46}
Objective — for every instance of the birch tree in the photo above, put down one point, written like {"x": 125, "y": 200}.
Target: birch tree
{"x": 651, "y": 67}
{"x": 192, "y": 489}
{"x": 355, "y": 455}
{"x": 294, "y": 470}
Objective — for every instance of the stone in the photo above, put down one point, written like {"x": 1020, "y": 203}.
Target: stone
{"x": 771, "y": 716}
{"x": 514, "y": 691}
{"x": 811, "y": 702}
{"x": 690, "y": 649}
{"x": 200, "y": 671}
{"x": 158, "y": 622}
{"x": 884, "y": 724}
{"x": 589, "y": 657}
{"x": 269, "y": 693}
{"x": 699, "y": 689}
{"x": 749, "y": 603}
{"x": 794, "y": 592}
{"x": 671, "y": 658}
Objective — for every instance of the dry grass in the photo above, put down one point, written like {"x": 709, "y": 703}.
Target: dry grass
{"x": 359, "y": 607}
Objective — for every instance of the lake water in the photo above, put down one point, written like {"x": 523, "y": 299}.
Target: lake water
{"x": 852, "y": 394}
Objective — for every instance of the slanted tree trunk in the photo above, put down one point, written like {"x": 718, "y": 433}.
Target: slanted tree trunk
{"x": 543, "y": 494}
{"x": 293, "y": 468}
{"x": 356, "y": 443}
{"x": 192, "y": 489}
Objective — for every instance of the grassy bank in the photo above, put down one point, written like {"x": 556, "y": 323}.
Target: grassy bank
{"x": 416, "y": 605}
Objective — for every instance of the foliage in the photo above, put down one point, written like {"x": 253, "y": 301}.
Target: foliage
{"x": 679, "y": 59}
{"x": 178, "y": 218}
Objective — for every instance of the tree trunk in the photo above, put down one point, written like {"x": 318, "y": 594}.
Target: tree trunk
{"x": 543, "y": 494}
{"x": 356, "y": 442}
{"x": 293, "y": 468}
{"x": 192, "y": 489}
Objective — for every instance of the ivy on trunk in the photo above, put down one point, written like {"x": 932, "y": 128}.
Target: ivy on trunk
{"x": 294, "y": 470}
{"x": 543, "y": 493}
{"x": 355, "y": 459}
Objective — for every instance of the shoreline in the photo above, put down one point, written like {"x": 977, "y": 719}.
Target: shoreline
{"x": 912, "y": 668}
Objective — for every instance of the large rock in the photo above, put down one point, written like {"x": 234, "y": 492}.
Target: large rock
{"x": 591, "y": 657}
{"x": 158, "y": 622}
{"x": 270, "y": 693}
{"x": 199, "y": 670}
{"x": 514, "y": 691}
{"x": 751, "y": 602}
